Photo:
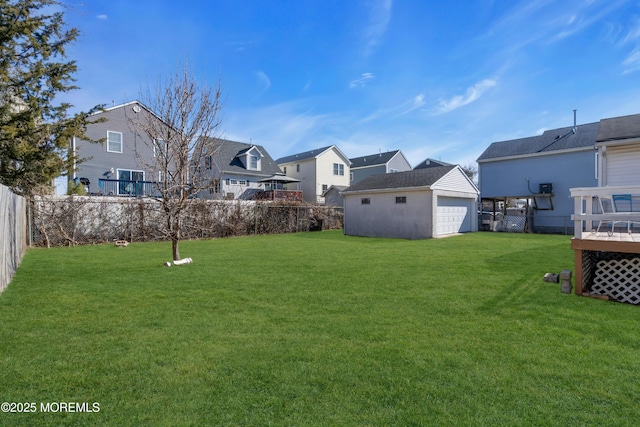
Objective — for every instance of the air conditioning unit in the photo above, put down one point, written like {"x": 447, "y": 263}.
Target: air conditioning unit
{"x": 546, "y": 188}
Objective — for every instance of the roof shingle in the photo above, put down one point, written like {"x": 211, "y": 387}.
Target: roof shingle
{"x": 408, "y": 179}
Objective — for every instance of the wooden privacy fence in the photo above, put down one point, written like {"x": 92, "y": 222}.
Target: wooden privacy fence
{"x": 13, "y": 233}
{"x": 68, "y": 221}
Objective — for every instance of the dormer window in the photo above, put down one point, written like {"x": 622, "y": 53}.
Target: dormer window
{"x": 251, "y": 159}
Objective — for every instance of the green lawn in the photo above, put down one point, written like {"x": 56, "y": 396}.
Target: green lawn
{"x": 316, "y": 329}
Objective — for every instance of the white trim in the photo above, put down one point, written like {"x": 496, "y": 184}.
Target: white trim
{"x": 616, "y": 142}
{"x": 121, "y": 141}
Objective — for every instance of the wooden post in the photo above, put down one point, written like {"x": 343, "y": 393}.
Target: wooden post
{"x": 578, "y": 267}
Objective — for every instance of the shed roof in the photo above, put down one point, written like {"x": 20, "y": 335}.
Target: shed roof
{"x": 408, "y": 179}
{"x": 549, "y": 141}
{"x": 617, "y": 128}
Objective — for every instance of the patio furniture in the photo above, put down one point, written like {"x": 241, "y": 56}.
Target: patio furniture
{"x": 617, "y": 204}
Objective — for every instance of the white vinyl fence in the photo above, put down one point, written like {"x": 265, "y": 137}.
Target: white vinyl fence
{"x": 13, "y": 233}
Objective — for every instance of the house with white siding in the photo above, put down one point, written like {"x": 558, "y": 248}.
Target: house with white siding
{"x": 607, "y": 216}
{"x": 317, "y": 170}
{"x": 618, "y": 145}
{"x": 417, "y": 204}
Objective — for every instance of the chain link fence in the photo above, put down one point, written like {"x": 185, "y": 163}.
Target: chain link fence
{"x": 69, "y": 221}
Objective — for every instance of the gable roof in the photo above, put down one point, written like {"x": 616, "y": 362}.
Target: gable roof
{"x": 619, "y": 128}
{"x": 373, "y": 159}
{"x": 311, "y": 154}
{"x": 227, "y": 159}
{"x": 431, "y": 163}
{"x": 409, "y": 179}
{"x": 337, "y": 188}
{"x": 551, "y": 140}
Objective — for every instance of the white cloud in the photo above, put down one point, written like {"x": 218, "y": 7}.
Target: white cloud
{"x": 632, "y": 62}
{"x": 379, "y": 17}
{"x": 264, "y": 81}
{"x": 364, "y": 79}
{"x": 472, "y": 94}
{"x": 102, "y": 16}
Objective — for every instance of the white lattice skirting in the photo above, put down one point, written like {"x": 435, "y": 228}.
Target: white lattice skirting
{"x": 618, "y": 279}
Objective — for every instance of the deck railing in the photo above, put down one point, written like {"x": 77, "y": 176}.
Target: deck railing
{"x": 279, "y": 195}
{"x": 127, "y": 188}
{"x": 588, "y": 207}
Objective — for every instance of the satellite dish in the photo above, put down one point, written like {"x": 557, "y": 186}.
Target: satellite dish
{"x": 136, "y": 109}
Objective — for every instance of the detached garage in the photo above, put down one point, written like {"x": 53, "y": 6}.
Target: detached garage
{"x": 418, "y": 204}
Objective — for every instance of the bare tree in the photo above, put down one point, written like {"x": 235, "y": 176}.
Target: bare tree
{"x": 471, "y": 170}
{"x": 183, "y": 119}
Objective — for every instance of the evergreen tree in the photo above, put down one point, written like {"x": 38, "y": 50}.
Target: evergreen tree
{"x": 35, "y": 129}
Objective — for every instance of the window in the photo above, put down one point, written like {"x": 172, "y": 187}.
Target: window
{"x": 207, "y": 163}
{"x": 130, "y": 182}
{"x": 401, "y": 199}
{"x": 233, "y": 181}
{"x": 325, "y": 187}
{"x": 297, "y": 168}
{"x": 114, "y": 142}
{"x": 254, "y": 162}
{"x": 284, "y": 170}
{"x": 365, "y": 201}
{"x": 351, "y": 176}
{"x": 338, "y": 169}
{"x": 243, "y": 182}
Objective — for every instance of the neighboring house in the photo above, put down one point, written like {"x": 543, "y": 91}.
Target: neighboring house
{"x": 238, "y": 168}
{"x": 389, "y": 162}
{"x": 317, "y": 170}
{"x": 332, "y": 196}
{"x": 540, "y": 170}
{"x": 607, "y": 216}
{"x": 618, "y": 145}
{"x": 115, "y": 167}
{"x": 418, "y": 204}
{"x": 431, "y": 163}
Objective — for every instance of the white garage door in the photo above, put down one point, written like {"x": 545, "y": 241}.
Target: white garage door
{"x": 453, "y": 215}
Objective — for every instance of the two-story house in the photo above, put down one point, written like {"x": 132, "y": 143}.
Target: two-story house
{"x": 317, "y": 170}
{"x": 539, "y": 171}
{"x": 121, "y": 165}
{"x": 374, "y": 164}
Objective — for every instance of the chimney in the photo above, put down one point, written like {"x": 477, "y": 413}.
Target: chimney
{"x": 575, "y": 126}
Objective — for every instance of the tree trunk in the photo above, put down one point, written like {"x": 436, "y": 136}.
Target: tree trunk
{"x": 174, "y": 248}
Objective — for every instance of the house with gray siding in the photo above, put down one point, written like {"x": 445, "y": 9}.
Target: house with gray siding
{"x": 389, "y": 162}
{"x": 539, "y": 171}
{"x": 431, "y": 163}
{"x": 417, "y": 204}
{"x": 238, "y": 168}
{"x": 116, "y": 167}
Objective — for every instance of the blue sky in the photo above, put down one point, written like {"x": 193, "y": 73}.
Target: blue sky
{"x": 436, "y": 79}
